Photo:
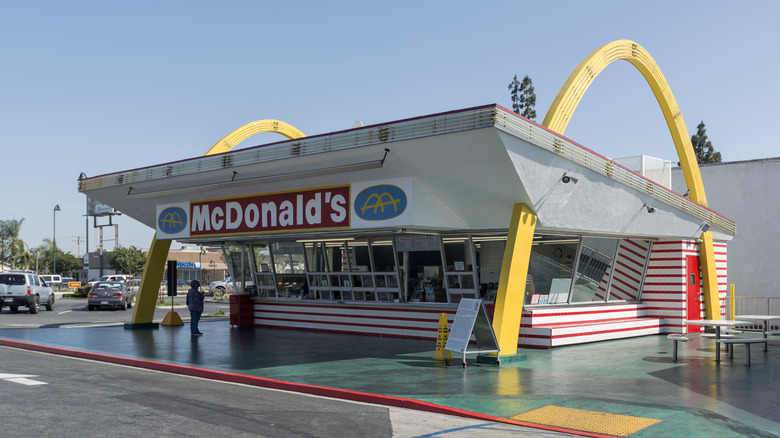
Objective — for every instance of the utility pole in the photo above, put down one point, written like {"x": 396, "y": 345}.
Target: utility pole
{"x": 78, "y": 239}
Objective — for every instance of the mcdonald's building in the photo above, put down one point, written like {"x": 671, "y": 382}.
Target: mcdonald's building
{"x": 379, "y": 229}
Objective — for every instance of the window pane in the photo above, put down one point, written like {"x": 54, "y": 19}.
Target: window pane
{"x": 358, "y": 256}
{"x": 629, "y": 266}
{"x": 290, "y": 267}
{"x": 457, "y": 254}
{"x": 550, "y": 270}
{"x": 593, "y": 270}
{"x": 240, "y": 268}
{"x": 382, "y": 250}
{"x": 262, "y": 258}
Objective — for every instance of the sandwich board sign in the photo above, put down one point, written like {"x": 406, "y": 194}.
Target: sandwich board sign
{"x": 472, "y": 317}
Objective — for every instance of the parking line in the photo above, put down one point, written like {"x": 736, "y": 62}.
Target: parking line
{"x": 64, "y": 311}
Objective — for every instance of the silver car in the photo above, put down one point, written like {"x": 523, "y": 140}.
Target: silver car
{"x": 109, "y": 294}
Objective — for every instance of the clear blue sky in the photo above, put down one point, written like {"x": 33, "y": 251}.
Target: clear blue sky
{"x": 102, "y": 86}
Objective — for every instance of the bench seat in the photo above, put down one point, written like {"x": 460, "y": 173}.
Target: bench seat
{"x": 676, "y": 337}
{"x": 746, "y": 341}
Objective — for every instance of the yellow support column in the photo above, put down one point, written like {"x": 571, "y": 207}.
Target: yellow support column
{"x": 146, "y": 301}
{"x": 731, "y": 302}
{"x": 511, "y": 283}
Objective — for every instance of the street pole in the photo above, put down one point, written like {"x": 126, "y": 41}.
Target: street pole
{"x": 54, "y": 253}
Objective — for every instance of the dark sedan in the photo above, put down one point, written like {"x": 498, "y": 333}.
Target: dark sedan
{"x": 109, "y": 294}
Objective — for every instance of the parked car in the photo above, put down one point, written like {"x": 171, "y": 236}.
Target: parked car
{"x": 24, "y": 288}
{"x": 181, "y": 282}
{"x": 112, "y": 277}
{"x": 110, "y": 294}
{"x": 135, "y": 286}
{"x": 51, "y": 280}
{"x": 220, "y": 287}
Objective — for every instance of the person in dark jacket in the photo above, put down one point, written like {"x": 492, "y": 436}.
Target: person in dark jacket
{"x": 195, "y": 304}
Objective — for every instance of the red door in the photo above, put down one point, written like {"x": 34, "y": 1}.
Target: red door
{"x": 693, "y": 287}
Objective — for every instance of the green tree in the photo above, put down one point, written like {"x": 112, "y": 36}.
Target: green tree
{"x": 523, "y": 97}
{"x": 68, "y": 263}
{"x": 705, "y": 153}
{"x": 127, "y": 260}
{"x": 10, "y": 242}
{"x": 43, "y": 255}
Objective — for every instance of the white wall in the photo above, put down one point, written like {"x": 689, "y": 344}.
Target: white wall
{"x": 748, "y": 193}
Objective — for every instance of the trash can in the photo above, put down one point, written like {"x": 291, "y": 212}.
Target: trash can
{"x": 241, "y": 310}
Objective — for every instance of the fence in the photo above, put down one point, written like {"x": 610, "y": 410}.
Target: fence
{"x": 754, "y": 306}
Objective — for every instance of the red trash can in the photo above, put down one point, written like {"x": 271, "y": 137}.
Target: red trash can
{"x": 241, "y": 310}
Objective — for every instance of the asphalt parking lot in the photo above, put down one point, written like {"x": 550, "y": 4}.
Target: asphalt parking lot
{"x": 72, "y": 312}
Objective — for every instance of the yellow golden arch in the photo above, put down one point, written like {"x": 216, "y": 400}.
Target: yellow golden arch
{"x": 514, "y": 269}
{"x": 251, "y": 129}
{"x": 569, "y": 97}
{"x": 158, "y": 250}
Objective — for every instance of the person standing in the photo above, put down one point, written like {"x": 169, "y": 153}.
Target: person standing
{"x": 195, "y": 304}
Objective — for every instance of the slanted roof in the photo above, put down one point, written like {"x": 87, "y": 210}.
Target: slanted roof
{"x": 465, "y": 169}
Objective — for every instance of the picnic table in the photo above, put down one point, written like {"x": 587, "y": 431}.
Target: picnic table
{"x": 717, "y": 323}
{"x": 765, "y": 323}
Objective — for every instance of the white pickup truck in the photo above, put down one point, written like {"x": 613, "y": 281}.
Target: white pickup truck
{"x": 24, "y": 289}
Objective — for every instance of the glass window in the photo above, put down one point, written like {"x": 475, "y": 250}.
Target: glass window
{"x": 490, "y": 254}
{"x": 289, "y": 258}
{"x": 382, "y": 250}
{"x": 240, "y": 268}
{"x": 262, "y": 258}
{"x": 630, "y": 263}
{"x": 593, "y": 270}
{"x": 551, "y": 270}
{"x": 316, "y": 253}
{"x": 290, "y": 265}
{"x": 358, "y": 256}
{"x": 457, "y": 254}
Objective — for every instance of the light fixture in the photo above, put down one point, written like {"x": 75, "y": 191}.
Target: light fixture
{"x": 566, "y": 179}
{"x": 701, "y": 229}
{"x": 644, "y": 206}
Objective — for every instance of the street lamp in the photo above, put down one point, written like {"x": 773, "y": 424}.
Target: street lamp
{"x": 54, "y": 253}
{"x": 200, "y": 263}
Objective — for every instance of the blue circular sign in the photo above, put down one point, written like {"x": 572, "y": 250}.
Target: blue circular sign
{"x": 380, "y": 203}
{"x": 172, "y": 220}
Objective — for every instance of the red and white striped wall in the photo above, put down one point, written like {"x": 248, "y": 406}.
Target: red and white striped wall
{"x": 402, "y": 320}
{"x": 665, "y": 288}
{"x": 553, "y": 327}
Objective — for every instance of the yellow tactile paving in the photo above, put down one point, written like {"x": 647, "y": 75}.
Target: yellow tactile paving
{"x": 587, "y": 421}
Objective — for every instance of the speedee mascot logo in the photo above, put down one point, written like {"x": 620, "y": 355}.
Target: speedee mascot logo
{"x": 380, "y": 202}
{"x": 172, "y": 220}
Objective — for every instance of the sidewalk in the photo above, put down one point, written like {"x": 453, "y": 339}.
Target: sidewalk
{"x": 616, "y": 388}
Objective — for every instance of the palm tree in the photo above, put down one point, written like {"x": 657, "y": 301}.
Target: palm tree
{"x": 9, "y": 239}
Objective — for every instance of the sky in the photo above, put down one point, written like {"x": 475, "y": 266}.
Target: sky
{"x": 99, "y": 87}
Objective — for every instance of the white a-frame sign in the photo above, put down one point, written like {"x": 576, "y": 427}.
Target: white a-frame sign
{"x": 472, "y": 317}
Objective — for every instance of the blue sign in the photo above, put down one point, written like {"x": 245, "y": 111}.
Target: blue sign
{"x": 172, "y": 220}
{"x": 380, "y": 203}
{"x": 187, "y": 265}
